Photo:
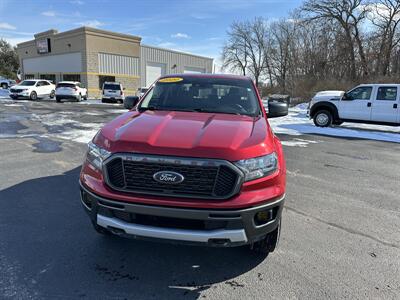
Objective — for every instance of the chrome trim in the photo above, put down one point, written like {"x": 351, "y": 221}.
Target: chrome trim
{"x": 202, "y": 236}
{"x": 173, "y": 161}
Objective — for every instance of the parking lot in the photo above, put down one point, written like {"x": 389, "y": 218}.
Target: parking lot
{"x": 340, "y": 235}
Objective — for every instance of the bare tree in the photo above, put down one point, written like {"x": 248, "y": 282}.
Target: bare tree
{"x": 283, "y": 52}
{"x": 245, "y": 48}
{"x": 234, "y": 52}
{"x": 349, "y": 14}
{"x": 326, "y": 44}
{"x": 385, "y": 15}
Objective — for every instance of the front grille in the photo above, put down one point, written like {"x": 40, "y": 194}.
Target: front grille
{"x": 15, "y": 91}
{"x": 202, "y": 178}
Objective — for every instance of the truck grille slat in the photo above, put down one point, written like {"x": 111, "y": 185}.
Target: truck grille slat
{"x": 215, "y": 180}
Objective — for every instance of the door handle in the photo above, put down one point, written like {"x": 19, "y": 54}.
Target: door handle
{"x": 369, "y": 104}
{"x": 395, "y": 105}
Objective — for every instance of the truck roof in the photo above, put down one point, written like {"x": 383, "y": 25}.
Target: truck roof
{"x": 379, "y": 84}
{"x": 208, "y": 75}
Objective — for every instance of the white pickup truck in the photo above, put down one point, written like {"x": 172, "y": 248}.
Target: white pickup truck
{"x": 366, "y": 103}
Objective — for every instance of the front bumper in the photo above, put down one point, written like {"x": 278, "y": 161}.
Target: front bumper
{"x": 24, "y": 94}
{"x": 113, "y": 98}
{"x": 223, "y": 228}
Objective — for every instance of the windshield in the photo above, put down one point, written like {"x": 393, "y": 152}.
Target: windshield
{"x": 28, "y": 83}
{"x": 216, "y": 95}
{"x": 111, "y": 87}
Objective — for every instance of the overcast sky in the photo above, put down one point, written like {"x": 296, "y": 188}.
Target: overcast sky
{"x": 196, "y": 26}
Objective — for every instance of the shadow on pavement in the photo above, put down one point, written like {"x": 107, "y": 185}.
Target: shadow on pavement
{"x": 48, "y": 249}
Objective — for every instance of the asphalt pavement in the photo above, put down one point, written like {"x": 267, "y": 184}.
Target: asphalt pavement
{"x": 340, "y": 236}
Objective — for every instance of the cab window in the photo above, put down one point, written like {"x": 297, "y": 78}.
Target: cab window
{"x": 360, "y": 93}
{"x": 387, "y": 93}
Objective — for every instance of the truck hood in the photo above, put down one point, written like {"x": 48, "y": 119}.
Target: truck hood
{"x": 210, "y": 135}
{"x": 328, "y": 95}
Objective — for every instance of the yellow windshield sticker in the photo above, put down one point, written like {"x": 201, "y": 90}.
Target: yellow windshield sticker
{"x": 170, "y": 79}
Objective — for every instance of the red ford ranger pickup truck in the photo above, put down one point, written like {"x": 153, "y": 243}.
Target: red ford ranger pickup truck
{"x": 195, "y": 161}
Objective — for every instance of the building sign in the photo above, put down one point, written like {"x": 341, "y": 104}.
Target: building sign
{"x": 42, "y": 46}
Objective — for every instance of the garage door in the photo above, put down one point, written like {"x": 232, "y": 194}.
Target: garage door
{"x": 153, "y": 71}
{"x": 193, "y": 70}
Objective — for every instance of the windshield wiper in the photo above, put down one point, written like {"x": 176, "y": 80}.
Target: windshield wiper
{"x": 215, "y": 111}
{"x": 149, "y": 108}
{"x": 164, "y": 108}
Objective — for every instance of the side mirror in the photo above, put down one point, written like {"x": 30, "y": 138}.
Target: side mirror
{"x": 131, "y": 101}
{"x": 277, "y": 109}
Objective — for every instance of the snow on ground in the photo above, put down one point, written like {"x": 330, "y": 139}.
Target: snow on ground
{"x": 58, "y": 125}
{"x": 5, "y": 97}
{"x": 4, "y": 94}
{"x": 297, "y": 123}
{"x": 61, "y": 125}
{"x": 13, "y": 105}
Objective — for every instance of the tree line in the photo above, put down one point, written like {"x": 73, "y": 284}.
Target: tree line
{"x": 324, "y": 44}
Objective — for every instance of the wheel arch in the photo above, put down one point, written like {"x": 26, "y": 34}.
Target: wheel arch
{"x": 325, "y": 105}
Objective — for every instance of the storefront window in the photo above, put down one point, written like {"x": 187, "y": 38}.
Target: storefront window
{"x": 72, "y": 77}
{"x": 50, "y": 77}
{"x": 103, "y": 79}
{"x": 29, "y": 76}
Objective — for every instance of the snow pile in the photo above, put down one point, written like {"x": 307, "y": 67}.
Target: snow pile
{"x": 297, "y": 123}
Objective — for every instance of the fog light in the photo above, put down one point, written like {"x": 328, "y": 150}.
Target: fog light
{"x": 263, "y": 217}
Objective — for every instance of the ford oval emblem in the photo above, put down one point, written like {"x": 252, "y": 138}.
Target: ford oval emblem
{"x": 168, "y": 177}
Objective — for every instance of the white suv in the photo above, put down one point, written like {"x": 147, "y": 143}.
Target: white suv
{"x": 70, "y": 90}
{"x": 366, "y": 103}
{"x": 112, "y": 92}
{"x": 33, "y": 89}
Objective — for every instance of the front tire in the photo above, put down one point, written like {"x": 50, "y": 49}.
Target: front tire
{"x": 86, "y": 97}
{"x": 33, "y": 96}
{"x": 4, "y": 86}
{"x": 52, "y": 94}
{"x": 58, "y": 99}
{"x": 323, "y": 118}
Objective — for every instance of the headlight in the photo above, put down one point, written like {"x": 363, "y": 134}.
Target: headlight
{"x": 96, "y": 155}
{"x": 258, "y": 167}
